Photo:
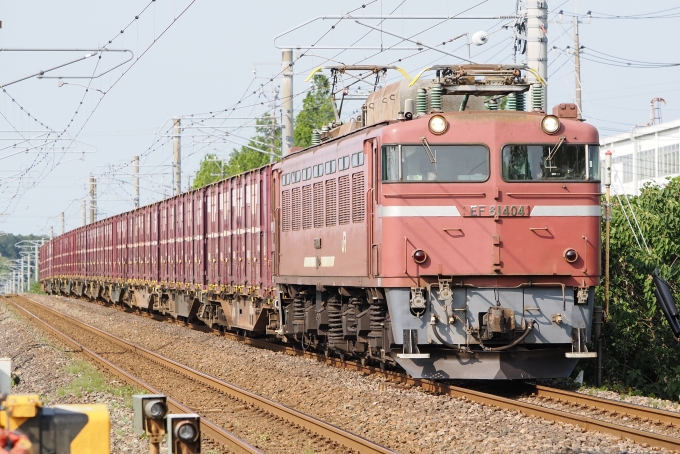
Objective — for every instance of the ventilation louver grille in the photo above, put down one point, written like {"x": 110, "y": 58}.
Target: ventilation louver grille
{"x": 344, "y": 200}
{"x": 358, "y": 199}
{"x": 307, "y": 207}
{"x": 331, "y": 202}
{"x": 318, "y": 205}
{"x": 296, "y": 220}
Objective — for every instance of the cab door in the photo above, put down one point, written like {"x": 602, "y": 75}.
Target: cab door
{"x": 372, "y": 188}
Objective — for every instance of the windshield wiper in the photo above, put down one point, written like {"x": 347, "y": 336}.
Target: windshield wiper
{"x": 428, "y": 150}
{"x": 557, "y": 147}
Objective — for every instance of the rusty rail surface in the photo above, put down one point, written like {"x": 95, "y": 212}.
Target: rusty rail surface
{"x": 328, "y": 431}
{"x": 612, "y": 406}
{"x": 209, "y": 428}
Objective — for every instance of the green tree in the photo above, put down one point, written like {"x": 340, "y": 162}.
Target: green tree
{"x": 209, "y": 171}
{"x": 642, "y": 355}
{"x": 267, "y": 138}
{"x": 317, "y": 110}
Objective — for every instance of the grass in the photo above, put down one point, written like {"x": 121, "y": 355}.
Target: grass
{"x": 35, "y": 288}
{"x": 89, "y": 379}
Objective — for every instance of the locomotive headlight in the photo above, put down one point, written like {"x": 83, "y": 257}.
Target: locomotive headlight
{"x": 570, "y": 255}
{"x": 438, "y": 125}
{"x": 550, "y": 124}
{"x": 419, "y": 256}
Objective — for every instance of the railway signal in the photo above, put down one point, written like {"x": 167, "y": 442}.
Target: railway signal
{"x": 150, "y": 411}
{"x": 184, "y": 434}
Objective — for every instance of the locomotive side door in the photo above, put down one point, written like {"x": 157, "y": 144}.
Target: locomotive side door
{"x": 372, "y": 188}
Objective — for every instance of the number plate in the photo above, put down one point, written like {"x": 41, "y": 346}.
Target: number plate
{"x": 495, "y": 210}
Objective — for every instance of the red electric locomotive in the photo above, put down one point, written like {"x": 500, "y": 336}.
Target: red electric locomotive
{"x": 456, "y": 240}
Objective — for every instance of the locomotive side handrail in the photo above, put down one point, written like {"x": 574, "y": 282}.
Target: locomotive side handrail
{"x": 438, "y": 194}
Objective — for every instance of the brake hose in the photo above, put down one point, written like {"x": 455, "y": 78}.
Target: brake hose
{"x": 526, "y": 332}
{"x": 433, "y": 322}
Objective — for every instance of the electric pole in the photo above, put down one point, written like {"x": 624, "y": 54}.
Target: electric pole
{"x": 51, "y": 233}
{"x": 177, "y": 155}
{"x": 287, "y": 101}
{"x": 63, "y": 224}
{"x": 36, "y": 251}
{"x": 537, "y": 51}
{"x": 135, "y": 180}
{"x": 91, "y": 199}
{"x": 577, "y": 67}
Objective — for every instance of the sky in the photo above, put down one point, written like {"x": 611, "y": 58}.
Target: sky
{"x": 215, "y": 64}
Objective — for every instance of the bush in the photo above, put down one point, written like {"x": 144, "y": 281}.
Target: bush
{"x": 642, "y": 355}
{"x": 35, "y": 288}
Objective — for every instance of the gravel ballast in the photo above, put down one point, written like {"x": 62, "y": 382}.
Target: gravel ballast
{"x": 406, "y": 420}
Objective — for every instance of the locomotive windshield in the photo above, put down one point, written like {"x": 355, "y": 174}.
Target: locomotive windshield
{"x": 551, "y": 162}
{"x": 431, "y": 162}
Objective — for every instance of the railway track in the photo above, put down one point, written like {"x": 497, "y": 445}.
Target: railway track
{"x": 590, "y": 413}
{"x": 288, "y": 430}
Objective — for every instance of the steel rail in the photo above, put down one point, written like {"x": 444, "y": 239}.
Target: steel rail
{"x": 211, "y": 429}
{"x": 317, "y": 426}
{"x": 613, "y": 406}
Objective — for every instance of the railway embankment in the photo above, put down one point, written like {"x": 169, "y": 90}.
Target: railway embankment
{"x": 403, "y": 419}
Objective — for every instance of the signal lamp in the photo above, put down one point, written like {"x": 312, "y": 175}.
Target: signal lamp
{"x": 155, "y": 409}
{"x": 570, "y": 255}
{"x": 438, "y": 125}
{"x": 186, "y": 431}
{"x": 184, "y": 434}
{"x": 419, "y": 256}
{"x": 550, "y": 124}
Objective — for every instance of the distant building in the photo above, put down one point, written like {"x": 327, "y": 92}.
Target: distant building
{"x": 646, "y": 154}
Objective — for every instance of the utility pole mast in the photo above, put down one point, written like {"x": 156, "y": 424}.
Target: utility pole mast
{"x": 177, "y": 155}
{"x": 287, "y": 101}
{"x": 577, "y": 67}
{"x": 22, "y": 277}
{"x": 36, "y": 252}
{"x": 135, "y": 180}
{"x": 84, "y": 210}
{"x": 51, "y": 233}
{"x": 63, "y": 223}
{"x": 92, "y": 200}
{"x": 537, "y": 51}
